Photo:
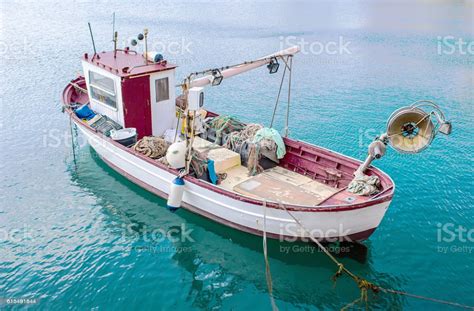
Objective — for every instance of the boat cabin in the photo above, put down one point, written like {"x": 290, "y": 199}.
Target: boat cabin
{"x": 131, "y": 90}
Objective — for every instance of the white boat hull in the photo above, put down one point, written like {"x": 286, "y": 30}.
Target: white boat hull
{"x": 351, "y": 224}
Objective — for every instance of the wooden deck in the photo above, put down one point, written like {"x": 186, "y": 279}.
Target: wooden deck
{"x": 278, "y": 185}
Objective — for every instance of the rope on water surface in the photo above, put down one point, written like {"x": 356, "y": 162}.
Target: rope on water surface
{"x": 363, "y": 284}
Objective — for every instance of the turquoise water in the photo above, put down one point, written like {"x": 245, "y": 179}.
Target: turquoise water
{"x": 82, "y": 237}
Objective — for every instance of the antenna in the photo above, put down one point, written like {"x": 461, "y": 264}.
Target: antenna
{"x": 115, "y": 44}
{"x": 93, "y": 43}
{"x": 145, "y": 33}
{"x": 114, "y": 35}
{"x": 113, "y": 26}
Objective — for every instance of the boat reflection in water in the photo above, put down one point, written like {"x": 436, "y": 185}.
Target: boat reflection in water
{"x": 219, "y": 261}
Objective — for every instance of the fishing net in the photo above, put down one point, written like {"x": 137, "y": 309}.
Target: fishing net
{"x": 152, "y": 147}
{"x": 364, "y": 185}
{"x": 225, "y": 125}
{"x": 236, "y": 139}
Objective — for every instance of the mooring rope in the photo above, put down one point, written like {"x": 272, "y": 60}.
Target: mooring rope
{"x": 73, "y": 143}
{"x": 78, "y": 88}
{"x": 362, "y": 283}
{"x": 268, "y": 274}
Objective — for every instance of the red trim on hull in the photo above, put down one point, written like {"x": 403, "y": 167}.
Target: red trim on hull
{"x": 235, "y": 195}
{"x": 359, "y": 236}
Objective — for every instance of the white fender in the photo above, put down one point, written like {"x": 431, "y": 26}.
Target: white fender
{"x": 176, "y": 194}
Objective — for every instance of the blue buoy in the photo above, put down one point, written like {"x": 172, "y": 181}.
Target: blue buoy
{"x": 158, "y": 58}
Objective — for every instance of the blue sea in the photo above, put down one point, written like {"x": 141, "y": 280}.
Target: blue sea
{"x": 76, "y": 235}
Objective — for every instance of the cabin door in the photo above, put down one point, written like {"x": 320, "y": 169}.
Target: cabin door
{"x": 137, "y": 107}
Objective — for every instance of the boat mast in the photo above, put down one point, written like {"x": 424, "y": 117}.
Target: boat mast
{"x": 215, "y": 76}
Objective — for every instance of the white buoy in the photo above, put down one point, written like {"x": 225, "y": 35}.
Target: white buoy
{"x": 154, "y": 56}
{"x": 176, "y": 155}
{"x": 175, "y": 196}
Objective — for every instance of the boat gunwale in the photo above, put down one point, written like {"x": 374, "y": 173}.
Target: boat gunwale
{"x": 358, "y": 236}
{"x": 67, "y": 94}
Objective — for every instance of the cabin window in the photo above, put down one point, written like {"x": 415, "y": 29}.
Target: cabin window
{"x": 162, "y": 89}
{"x": 102, "y": 89}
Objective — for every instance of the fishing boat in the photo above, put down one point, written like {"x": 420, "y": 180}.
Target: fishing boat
{"x": 125, "y": 104}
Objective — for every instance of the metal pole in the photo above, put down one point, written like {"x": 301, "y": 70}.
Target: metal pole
{"x": 93, "y": 43}
{"x": 113, "y": 26}
{"x": 145, "y": 33}
{"x": 115, "y": 44}
{"x": 114, "y": 35}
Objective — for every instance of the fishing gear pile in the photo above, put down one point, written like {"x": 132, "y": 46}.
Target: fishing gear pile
{"x": 224, "y": 125}
{"x": 152, "y": 147}
{"x": 364, "y": 185}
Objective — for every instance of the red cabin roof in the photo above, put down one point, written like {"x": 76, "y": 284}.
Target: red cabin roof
{"x": 127, "y": 63}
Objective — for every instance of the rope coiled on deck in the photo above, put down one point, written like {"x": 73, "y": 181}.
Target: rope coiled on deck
{"x": 152, "y": 147}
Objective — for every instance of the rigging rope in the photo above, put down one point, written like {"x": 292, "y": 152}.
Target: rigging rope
{"x": 289, "y": 96}
{"x": 73, "y": 143}
{"x": 278, "y": 97}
